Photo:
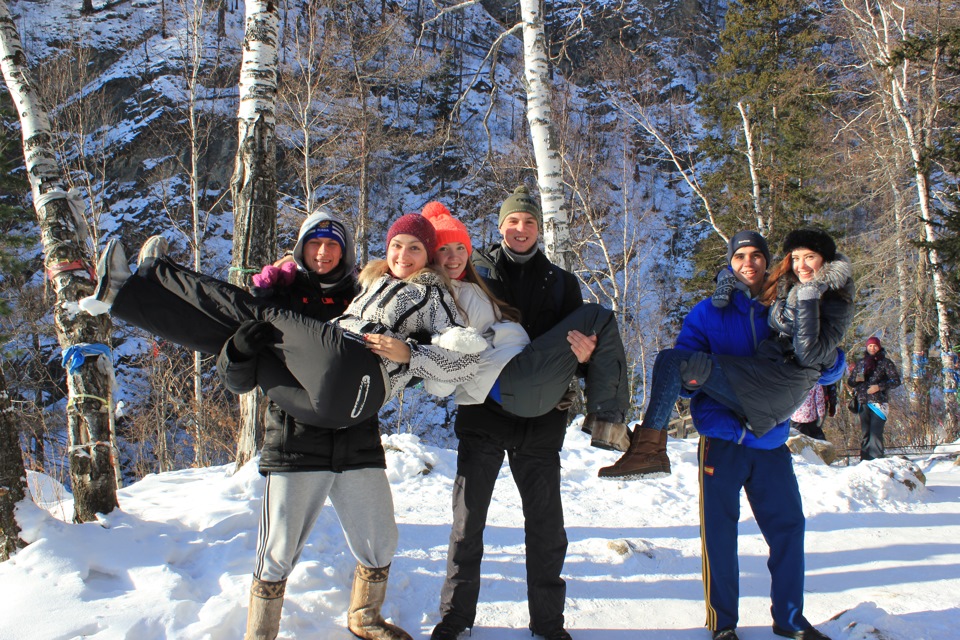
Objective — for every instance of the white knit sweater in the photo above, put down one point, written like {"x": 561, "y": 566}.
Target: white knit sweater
{"x": 421, "y": 308}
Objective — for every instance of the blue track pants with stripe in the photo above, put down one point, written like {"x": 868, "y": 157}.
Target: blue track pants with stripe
{"x": 771, "y": 486}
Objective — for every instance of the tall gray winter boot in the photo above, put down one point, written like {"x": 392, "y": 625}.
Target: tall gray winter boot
{"x": 155, "y": 247}
{"x": 263, "y": 616}
{"x": 366, "y": 599}
{"x": 112, "y": 272}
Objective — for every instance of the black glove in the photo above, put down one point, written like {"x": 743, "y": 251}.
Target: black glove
{"x": 695, "y": 371}
{"x": 726, "y": 285}
{"x": 250, "y": 339}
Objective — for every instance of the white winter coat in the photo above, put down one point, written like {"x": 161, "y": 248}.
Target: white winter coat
{"x": 504, "y": 339}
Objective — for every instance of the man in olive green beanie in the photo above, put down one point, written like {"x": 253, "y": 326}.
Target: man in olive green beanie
{"x": 521, "y": 201}
{"x": 519, "y": 273}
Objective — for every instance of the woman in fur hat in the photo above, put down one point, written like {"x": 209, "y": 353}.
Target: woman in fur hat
{"x": 872, "y": 377}
{"x": 810, "y": 294}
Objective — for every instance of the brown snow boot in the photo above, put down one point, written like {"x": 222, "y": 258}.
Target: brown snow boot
{"x": 366, "y": 599}
{"x": 263, "y": 616}
{"x": 646, "y": 457}
{"x": 613, "y": 436}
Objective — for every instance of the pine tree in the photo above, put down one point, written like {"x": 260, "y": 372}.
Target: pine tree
{"x": 763, "y": 117}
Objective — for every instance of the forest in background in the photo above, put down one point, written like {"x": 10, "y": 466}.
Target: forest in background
{"x": 678, "y": 123}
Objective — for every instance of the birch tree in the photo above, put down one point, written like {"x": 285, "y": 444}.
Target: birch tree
{"x": 910, "y": 98}
{"x": 66, "y": 258}
{"x": 556, "y": 234}
{"x": 254, "y": 182}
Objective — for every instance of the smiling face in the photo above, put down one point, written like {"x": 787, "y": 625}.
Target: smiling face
{"x": 873, "y": 348}
{"x": 452, "y": 258}
{"x": 322, "y": 255}
{"x": 405, "y": 255}
{"x": 520, "y": 231}
{"x": 750, "y": 266}
{"x": 806, "y": 264}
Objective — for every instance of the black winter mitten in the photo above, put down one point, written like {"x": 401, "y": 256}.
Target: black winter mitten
{"x": 251, "y": 338}
{"x": 695, "y": 371}
{"x": 726, "y": 285}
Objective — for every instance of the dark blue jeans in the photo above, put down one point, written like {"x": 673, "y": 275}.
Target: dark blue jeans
{"x": 665, "y": 388}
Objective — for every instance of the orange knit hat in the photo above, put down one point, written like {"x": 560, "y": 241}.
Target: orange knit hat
{"x": 448, "y": 228}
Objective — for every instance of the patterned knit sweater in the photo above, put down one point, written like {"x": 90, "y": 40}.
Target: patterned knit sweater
{"x": 417, "y": 312}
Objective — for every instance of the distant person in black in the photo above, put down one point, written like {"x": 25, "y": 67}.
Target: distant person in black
{"x": 872, "y": 377}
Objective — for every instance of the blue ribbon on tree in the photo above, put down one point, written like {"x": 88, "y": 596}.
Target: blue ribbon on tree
{"x": 75, "y": 355}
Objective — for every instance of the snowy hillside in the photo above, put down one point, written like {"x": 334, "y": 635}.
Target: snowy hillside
{"x": 175, "y": 561}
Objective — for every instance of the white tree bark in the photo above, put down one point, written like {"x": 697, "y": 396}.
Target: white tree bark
{"x": 63, "y": 233}
{"x": 556, "y": 234}
{"x": 762, "y": 226}
{"x": 254, "y": 182}
{"x": 912, "y": 102}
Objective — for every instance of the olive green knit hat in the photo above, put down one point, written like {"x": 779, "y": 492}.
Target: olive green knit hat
{"x": 521, "y": 200}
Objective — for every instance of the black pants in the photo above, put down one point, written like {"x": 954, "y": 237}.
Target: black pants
{"x": 812, "y": 429}
{"x": 534, "y": 381}
{"x": 342, "y": 379}
{"x": 871, "y": 434}
{"x": 538, "y": 481}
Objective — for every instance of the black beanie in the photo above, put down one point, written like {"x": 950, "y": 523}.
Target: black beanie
{"x": 521, "y": 200}
{"x": 748, "y": 239}
{"x": 812, "y": 239}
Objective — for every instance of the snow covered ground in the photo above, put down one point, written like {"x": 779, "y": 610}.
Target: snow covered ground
{"x": 175, "y": 561}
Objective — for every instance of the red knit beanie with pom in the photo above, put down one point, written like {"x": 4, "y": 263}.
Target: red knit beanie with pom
{"x": 448, "y": 228}
{"x": 417, "y": 226}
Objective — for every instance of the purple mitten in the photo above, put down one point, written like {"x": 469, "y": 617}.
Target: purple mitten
{"x": 288, "y": 273}
{"x": 268, "y": 277}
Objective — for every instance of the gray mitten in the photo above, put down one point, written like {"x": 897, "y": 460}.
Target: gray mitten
{"x": 811, "y": 290}
{"x": 726, "y": 285}
{"x": 695, "y": 371}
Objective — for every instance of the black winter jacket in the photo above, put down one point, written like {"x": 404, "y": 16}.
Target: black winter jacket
{"x": 885, "y": 375}
{"x": 806, "y": 334}
{"x": 294, "y": 445}
{"x": 544, "y": 294}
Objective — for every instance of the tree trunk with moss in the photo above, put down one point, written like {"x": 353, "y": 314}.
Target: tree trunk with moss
{"x": 254, "y": 182}
{"x": 66, "y": 259}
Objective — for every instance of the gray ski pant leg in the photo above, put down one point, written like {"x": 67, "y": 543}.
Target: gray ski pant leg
{"x": 291, "y": 505}
{"x": 364, "y": 504}
{"x": 535, "y": 380}
{"x": 292, "y": 502}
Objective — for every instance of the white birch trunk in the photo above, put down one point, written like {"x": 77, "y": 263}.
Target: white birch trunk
{"x": 63, "y": 233}
{"x": 556, "y": 233}
{"x": 883, "y": 26}
{"x": 254, "y": 182}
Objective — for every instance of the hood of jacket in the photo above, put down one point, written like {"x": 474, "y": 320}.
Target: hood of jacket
{"x": 349, "y": 259}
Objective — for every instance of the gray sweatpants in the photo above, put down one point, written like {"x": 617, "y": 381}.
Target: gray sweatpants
{"x": 292, "y": 502}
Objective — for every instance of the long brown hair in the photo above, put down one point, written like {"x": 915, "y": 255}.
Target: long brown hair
{"x": 769, "y": 292}
{"x": 501, "y": 309}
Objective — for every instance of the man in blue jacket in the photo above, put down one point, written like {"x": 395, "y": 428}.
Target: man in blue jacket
{"x": 732, "y": 457}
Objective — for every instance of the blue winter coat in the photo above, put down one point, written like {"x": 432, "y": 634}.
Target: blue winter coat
{"x": 736, "y": 329}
